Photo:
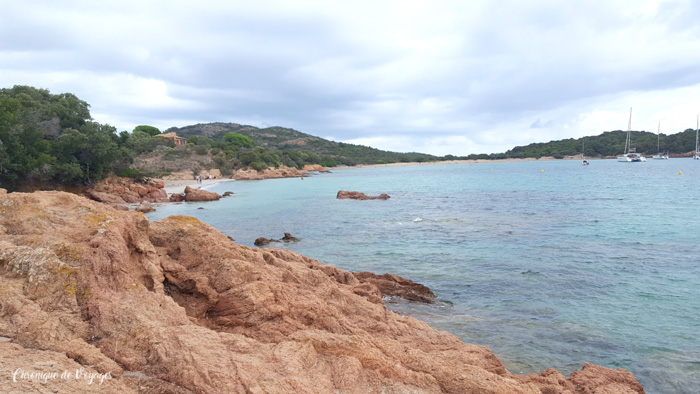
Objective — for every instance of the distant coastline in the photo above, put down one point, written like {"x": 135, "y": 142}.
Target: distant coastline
{"x": 465, "y": 162}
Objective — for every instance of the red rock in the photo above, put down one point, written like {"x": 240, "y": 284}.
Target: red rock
{"x": 315, "y": 167}
{"x": 177, "y": 197}
{"x": 192, "y": 195}
{"x": 105, "y": 197}
{"x": 594, "y": 379}
{"x": 360, "y": 196}
{"x": 131, "y": 197}
{"x": 189, "y": 311}
{"x": 269, "y": 173}
{"x": 157, "y": 183}
{"x": 391, "y": 285}
{"x": 127, "y": 190}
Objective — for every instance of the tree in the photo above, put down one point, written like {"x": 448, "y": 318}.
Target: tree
{"x": 92, "y": 148}
{"x": 238, "y": 140}
{"x": 150, "y": 130}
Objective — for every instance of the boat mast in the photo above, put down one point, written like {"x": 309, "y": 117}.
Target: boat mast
{"x": 697, "y": 122}
{"x": 658, "y": 139}
{"x": 628, "y": 141}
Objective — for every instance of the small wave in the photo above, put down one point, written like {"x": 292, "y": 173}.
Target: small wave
{"x": 418, "y": 219}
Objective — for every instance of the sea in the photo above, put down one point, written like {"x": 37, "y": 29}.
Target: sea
{"x": 551, "y": 264}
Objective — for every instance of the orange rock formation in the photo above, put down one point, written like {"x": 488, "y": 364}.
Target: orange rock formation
{"x": 117, "y": 190}
{"x": 269, "y": 173}
{"x": 176, "y": 307}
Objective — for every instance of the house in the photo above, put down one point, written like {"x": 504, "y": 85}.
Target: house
{"x": 179, "y": 141}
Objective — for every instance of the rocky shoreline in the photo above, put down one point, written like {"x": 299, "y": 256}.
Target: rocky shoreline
{"x": 174, "y": 306}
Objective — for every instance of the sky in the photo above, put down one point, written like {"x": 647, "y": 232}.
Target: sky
{"x": 440, "y": 77}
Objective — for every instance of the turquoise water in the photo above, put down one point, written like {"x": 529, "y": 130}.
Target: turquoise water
{"x": 550, "y": 264}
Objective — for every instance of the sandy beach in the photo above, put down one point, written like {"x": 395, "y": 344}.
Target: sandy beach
{"x": 544, "y": 158}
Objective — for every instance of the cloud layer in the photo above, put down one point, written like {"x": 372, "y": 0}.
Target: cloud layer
{"x": 432, "y": 76}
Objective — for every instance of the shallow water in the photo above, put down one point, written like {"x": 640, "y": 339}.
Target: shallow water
{"x": 550, "y": 264}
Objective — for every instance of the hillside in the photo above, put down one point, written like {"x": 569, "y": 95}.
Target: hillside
{"x": 284, "y": 139}
{"x": 607, "y": 144}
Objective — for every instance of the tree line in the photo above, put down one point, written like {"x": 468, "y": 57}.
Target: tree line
{"x": 49, "y": 139}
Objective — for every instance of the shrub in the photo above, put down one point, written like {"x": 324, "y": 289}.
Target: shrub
{"x": 258, "y": 165}
{"x": 130, "y": 173}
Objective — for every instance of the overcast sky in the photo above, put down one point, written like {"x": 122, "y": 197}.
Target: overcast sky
{"x": 457, "y": 77}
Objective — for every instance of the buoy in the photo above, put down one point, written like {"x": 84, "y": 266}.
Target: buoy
{"x": 542, "y": 171}
{"x": 680, "y": 172}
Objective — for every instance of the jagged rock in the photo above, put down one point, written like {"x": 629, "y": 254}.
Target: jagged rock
{"x": 117, "y": 190}
{"x": 391, "y": 285}
{"x": 175, "y": 306}
{"x": 289, "y": 238}
{"x": 226, "y": 194}
{"x": 262, "y": 241}
{"x": 360, "y": 196}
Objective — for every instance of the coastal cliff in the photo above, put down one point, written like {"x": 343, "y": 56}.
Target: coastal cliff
{"x": 176, "y": 307}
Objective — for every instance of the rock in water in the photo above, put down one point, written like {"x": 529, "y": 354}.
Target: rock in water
{"x": 391, "y": 285}
{"x": 193, "y": 195}
{"x": 360, "y": 196}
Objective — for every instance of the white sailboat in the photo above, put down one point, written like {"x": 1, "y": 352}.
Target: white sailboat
{"x": 583, "y": 154}
{"x": 659, "y": 156}
{"x": 630, "y": 155}
{"x": 696, "y": 156}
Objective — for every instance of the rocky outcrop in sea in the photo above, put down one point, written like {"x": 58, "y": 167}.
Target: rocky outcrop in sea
{"x": 175, "y": 306}
{"x": 194, "y": 195}
{"x": 360, "y": 196}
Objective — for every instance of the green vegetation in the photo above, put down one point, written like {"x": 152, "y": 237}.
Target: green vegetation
{"x": 295, "y": 149}
{"x": 48, "y": 139}
{"x": 150, "y": 130}
{"x": 610, "y": 143}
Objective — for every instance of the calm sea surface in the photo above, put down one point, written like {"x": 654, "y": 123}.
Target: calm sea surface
{"x": 550, "y": 264}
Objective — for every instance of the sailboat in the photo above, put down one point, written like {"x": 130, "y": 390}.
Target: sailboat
{"x": 659, "y": 156}
{"x": 630, "y": 155}
{"x": 696, "y": 156}
{"x": 583, "y": 154}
